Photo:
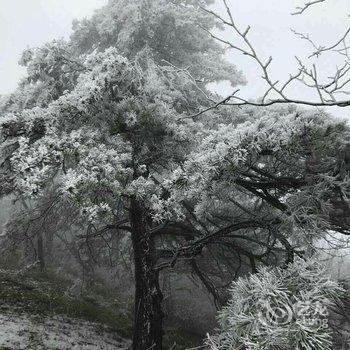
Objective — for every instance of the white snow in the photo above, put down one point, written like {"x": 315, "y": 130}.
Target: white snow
{"x": 20, "y": 330}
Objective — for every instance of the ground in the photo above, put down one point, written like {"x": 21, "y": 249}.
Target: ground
{"x": 35, "y": 314}
{"x": 21, "y": 330}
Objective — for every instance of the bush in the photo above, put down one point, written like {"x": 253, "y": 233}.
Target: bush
{"x": 279, "y": 309}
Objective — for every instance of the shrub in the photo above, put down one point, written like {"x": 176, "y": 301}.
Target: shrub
{"x": 279, "y": 309}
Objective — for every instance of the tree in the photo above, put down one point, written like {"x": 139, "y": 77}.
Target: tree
{"x": 101, "y": 142}
{"x": 103, "y": 127}
{"x": 108, "y": 123}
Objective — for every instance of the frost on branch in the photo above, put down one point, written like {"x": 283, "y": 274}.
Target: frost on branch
{"x": 277, "y": 309}
{"x": 100, "y": 141}
{"x": 171, "y": 30}
{"x": 294, "y": 161}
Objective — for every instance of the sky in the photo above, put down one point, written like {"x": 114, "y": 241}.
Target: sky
{"x": 29, "y": 23}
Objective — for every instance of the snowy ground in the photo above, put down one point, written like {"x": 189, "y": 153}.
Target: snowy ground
{"x": 20, "y": 330}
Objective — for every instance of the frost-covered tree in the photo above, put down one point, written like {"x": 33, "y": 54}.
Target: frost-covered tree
{"x": 104, "y": 122}
{"x": 105, "y": 144}
{"x": 283, "y": 178}
{"x": 107, "y": 123}
{"x": 170, "y": 31}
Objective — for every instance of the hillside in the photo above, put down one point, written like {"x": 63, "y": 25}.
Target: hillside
{"x": 21, "y": 330}
{"x": 35, "y": 314}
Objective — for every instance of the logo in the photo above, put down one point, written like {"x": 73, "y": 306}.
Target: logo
{"x": 276, "y": 315}
{"x": 307, "y": 313}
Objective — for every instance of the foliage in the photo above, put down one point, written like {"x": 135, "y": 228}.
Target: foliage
{"x": 294, "y": 160}
{"x": 279, "y": 309}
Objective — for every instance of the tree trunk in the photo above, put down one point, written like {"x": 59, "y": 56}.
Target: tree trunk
{"x": 41, "y": 257}
{"x": 148, "y": 315}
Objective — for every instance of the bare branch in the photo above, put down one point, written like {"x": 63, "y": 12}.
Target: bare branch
{"x": 276, "y": 91}
{"x": 322, "y": 49}
{"x": 216, "y": 105}
{"x": 302, "y": 9}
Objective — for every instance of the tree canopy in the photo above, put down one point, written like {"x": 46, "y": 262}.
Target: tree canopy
{"x": 109, "y": 124}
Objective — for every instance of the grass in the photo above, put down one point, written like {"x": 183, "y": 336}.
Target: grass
{"x": 44, "y": 294}
{"x": 178, "y": 339}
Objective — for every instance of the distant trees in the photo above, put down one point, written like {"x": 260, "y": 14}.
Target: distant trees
{"x": 108, "y": 130}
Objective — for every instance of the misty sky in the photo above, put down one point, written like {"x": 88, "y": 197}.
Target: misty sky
{"x": 28, "y": 23}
